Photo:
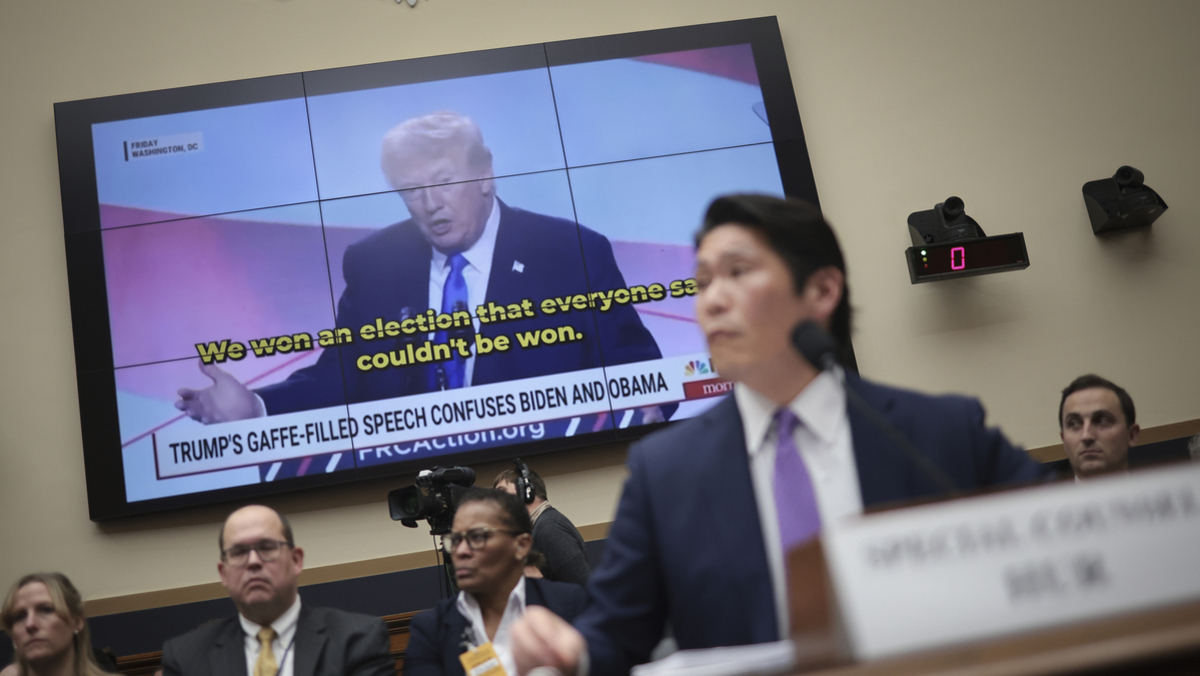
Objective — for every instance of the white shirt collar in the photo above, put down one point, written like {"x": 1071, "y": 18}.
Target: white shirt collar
{"x": 502, "y": 642}
{"x": 284, "y": 625}
{"x": 820, "y": 406}
{"x": 469, "y": 607}
{"x": 479, "y": 255}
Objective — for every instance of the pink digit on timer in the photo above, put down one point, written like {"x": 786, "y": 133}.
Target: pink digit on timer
{"x": 961, "y": 254}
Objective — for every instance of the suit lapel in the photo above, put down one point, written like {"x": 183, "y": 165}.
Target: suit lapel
{"x": 309, "y": 643}
{"x": 883, "y": 474}
{"x": 737, "y": 523}
{"x": 503, "y": 277}
{"x": 453, "y": 623}
{"x": 727, "y": 442}
{"x": 228, "y": 653}
{"x": 533, "y": 593}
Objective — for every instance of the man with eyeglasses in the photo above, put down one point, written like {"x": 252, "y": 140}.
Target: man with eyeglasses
{"x": 274, "y": 634}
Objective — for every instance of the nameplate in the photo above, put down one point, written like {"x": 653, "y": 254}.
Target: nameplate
{"x": 1008, "y": 563}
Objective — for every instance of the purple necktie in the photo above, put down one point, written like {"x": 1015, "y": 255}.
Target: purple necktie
{"x": 795, "y": 502}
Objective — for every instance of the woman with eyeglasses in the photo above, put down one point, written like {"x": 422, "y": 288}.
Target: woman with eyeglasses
{"x": 489, "y": 546}
{"x": 43, "y": 613}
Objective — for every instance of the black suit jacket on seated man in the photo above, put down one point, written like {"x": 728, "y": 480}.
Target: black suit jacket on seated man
{"x": 536, "y": 257}
{"x": 328, "y": 642}
{"x": 686, "y": 546}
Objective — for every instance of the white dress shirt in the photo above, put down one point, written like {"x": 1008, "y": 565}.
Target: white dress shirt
{"x": 823, "y": 441}
{"x": 285, "y": 634}
{"x": 479, "y": 268}
{"x": 502, "y": 642}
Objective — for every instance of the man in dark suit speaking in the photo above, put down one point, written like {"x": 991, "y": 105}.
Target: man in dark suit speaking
{"x": 462, "y": 251}
{"x": 713, "y": 504}
{"x": 274, "y": 634}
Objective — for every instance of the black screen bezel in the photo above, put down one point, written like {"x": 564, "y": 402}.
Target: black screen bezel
{"x": 85, "y": 263}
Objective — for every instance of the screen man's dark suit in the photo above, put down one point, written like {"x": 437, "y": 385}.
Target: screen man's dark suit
{"x": 434, "y": 645}
{"x": 686, "y": 544}
{"x": 328, "y": 642}
{"x": 536, "y": 257}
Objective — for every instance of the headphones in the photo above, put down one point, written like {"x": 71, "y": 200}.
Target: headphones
{"x": 524, "y": 487}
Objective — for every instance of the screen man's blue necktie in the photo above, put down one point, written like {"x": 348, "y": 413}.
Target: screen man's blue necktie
{"x": 454, "y": 297}
{"x": 795, "y": 501}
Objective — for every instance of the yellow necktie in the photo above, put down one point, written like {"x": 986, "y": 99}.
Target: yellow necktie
{"x": 265, "y": 666}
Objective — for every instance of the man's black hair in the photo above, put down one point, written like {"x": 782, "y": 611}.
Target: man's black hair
{"x": 1091, "y": 380}
{"x": 512, "y": 511}
{"x": 796, "y": 231}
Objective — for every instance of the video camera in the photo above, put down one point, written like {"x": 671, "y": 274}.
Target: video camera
{"x": 433, "y": 498}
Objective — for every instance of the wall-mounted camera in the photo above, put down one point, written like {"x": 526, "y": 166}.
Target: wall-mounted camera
{"x": 945, "y": 222}
{"x": 948, "y": 244}
{"x": 1121, "y": 202}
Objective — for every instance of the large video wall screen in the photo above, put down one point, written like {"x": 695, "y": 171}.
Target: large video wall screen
{"x": 304, "y": 279}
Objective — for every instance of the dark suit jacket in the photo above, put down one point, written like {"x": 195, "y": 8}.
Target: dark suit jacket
{"x": 433, "y": 645}
{"x": 536, "y": 257}
{"x": 686, "y": 544}
{"x": 328, "y": 642}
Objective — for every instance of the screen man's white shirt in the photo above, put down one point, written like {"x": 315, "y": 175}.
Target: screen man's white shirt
{"x": 476, "y": 274}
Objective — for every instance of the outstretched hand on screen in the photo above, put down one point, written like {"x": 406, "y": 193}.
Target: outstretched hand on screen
{"x": 225, "y": 400}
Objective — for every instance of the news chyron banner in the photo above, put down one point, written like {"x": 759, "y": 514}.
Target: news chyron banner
{"x": 447, "y": 421}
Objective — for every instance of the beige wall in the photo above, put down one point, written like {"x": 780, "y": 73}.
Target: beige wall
{"x": 1011, "y": 105}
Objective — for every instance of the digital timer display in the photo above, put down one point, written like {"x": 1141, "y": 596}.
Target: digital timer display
{"x": 965, "y": 258}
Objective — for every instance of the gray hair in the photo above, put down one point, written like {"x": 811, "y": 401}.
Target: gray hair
{"x": 434, "y": 133}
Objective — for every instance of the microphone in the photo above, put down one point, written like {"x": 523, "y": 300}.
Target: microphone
{"x": 820, "y": 349}
{"x": 406, "y": 313}
{"x": 466, "y": 332}
{"x": 815, "y": 345}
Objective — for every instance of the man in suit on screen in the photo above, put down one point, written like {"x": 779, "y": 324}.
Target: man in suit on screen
{"x": 274, "y": 634}
{"x": 713, "y": 504}
{"x": 463, "y": 250}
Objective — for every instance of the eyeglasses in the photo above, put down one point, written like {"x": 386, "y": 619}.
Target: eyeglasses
{"x": 476, "y": 538}
{"x": 268, "y": 550}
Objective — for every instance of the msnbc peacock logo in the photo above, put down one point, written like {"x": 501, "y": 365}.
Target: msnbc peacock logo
{"x": 697, "y": 368}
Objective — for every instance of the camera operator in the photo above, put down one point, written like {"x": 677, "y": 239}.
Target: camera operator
{"x": 489, "y": 544}
{"x": 553, "y": 533}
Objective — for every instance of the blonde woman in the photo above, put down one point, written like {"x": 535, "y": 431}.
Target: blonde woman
{"x": 43, "y": 613}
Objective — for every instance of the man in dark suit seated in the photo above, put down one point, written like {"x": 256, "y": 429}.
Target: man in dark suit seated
{"x": 713, "y": 504}
{"x": 463, "y": 251}
{"x": 274, "y": 634}
{"x": 490, "y": 545}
